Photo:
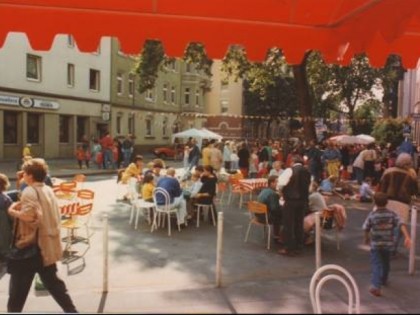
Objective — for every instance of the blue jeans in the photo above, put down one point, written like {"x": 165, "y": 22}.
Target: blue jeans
{"x": 380, "y": 262}
{"x": 108, "y": 158}
{"x": 127, "y": 156}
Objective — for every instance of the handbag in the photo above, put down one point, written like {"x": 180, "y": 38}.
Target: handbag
{"x": 24, "y": 258}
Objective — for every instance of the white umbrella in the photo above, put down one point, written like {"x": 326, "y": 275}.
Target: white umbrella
{"x": 343, "y": 139}
{"x": 365, "y": 139}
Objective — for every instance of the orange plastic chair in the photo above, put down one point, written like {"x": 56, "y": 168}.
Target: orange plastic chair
{"x": 85, "y": 196}
{"x": 254, "y": 208}
{"x": 222, "y": 187}
{"x": 76, "y": 221}
{"x": 68, "y": 186}
{"x": 237, "y": 188}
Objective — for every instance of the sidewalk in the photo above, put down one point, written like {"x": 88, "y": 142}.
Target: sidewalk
{"x": 63, "y": 168}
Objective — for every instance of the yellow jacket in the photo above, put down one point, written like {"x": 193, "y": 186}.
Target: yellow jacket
{"x": 131, "y": 171}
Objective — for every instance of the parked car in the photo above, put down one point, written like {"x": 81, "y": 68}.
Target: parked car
{"x": 168, "y": 152}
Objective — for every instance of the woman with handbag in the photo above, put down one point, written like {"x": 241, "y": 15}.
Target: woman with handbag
{"x": 36, "y": 245}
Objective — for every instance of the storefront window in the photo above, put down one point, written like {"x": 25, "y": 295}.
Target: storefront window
{"x": 64, "y": 129}
{"x": 10, "y": 127}
{"x": 32, "y": 130}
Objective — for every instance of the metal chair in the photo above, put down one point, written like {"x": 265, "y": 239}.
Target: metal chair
{"x": 341, "y": 275}
{"x": 254, "y": 208}
{"x": 209, "y": 209}
{"x": 162, "y": 210}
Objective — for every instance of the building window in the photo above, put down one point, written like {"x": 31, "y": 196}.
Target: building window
{"x": 173, "y": 95}
{"x": 130, "y": 85}
{"x": 197, "y": 97}
{"x": 187, "y": 96}
{"x": 94, "y": 80}
{"x": 119, "y": 121}
{"x": 150, "y": 95}
{"x": 224, "y": 106}
{"x": 70, "y": 74}
{"x": 10, "y": 127}
{"x": 64, "y": 126}
{"x": 165, "y": 92}
{"x": 164, "y": 127}
{"x": 70, "y": 41}
{"x": 149, "y": 130}
{"x": 32, "y": 131}
{"x": 119, "y": 84}
{"x": 131, "y": 124}
{"x": 33, "y": 67}
{"x": 82, "y": 123}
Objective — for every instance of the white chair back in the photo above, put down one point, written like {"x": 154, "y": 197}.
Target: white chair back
{"x": 164, "y": 193}
{"x": 341, "y": 275}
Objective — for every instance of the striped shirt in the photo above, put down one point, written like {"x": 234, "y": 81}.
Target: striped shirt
{"x": 381, "y": 224}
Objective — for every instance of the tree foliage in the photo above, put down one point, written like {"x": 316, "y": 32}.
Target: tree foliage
{"x": 366, "y": 115}
{"x": 153, "y": 58}
{"x": 389, "y": 130}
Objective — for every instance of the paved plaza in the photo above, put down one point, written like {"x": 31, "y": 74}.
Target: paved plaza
{"x": 154, "y": 273}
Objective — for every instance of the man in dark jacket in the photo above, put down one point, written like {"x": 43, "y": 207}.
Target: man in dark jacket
{"x": 295, "y": 182}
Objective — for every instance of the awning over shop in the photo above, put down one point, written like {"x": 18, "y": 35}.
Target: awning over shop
{"x": 337, "y": 28}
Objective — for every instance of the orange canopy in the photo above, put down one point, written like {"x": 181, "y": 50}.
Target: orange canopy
{"x": 337, "y": 28}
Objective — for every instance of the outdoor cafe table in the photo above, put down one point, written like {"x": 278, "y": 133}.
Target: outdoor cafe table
{"x": 252, "y": 184}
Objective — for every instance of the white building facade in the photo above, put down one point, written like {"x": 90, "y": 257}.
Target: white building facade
{"x": 52, "y": 98}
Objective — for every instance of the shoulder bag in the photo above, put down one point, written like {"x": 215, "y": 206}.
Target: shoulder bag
{"x": 24, "y": 258}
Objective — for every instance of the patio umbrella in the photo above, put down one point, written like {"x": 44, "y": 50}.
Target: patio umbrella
{"x": 365, "y": 139}
{"x": 342, "y": 139}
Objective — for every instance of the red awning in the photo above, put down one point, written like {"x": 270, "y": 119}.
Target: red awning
{"x": 337, "y": 28}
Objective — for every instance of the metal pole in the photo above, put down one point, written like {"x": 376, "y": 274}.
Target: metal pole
{"x": 219, "y": 249}
{"x": 317, "y": 240}
{"x": 412, "y": 259}
{"x": 105, "y": 255}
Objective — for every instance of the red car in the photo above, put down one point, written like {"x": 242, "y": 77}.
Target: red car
{"x": 168, "y": 152}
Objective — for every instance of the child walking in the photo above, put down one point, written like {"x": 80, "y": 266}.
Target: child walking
{"x": 380, "y": 224}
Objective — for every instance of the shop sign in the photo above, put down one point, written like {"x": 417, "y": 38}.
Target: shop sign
{"x": 9, "y": 100}
{"x": 28, "y": 102}
{"x": 46, "y": 104}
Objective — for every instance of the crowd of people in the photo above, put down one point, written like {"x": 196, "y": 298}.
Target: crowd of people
{"x": 300, "y": 178}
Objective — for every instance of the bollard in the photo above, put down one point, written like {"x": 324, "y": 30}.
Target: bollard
{"x": 219, "y": 249}
{"x": 105, "y": 254}
{"x": 412, "y": 259}
{"x": 317, "y": 240}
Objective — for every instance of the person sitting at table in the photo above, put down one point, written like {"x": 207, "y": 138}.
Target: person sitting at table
{"x": 147, "y": 187}
{"x": 131, "y": 176}
{"x": 208, "y": 189}
{"x": 316, "y": 203}
{"x": 176, "y": 199}
{"x": 157, "y": 168}
{"x": 133, "y": 171}
{"x": 191, "y": 191}
{"x": 271, "y": 198}
{"x": 277, "y": 169}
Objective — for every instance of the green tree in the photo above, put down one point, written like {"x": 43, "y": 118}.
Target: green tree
{"x": 390, "y": 76}
{"x": 153, "y": 58}
{"x": 268, "y": 86}
{"x": 366, "y": 115}
{"x": 352, "y": 84}
{"x": 389, "y": 130}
